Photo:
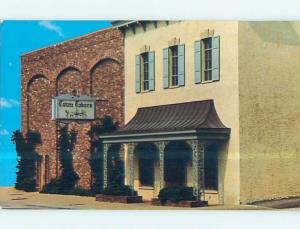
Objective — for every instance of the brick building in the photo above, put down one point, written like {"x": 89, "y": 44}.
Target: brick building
{"x": 89, "y": 65}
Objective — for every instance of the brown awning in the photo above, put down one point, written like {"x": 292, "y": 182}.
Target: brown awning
{"x": 197, "y": 115}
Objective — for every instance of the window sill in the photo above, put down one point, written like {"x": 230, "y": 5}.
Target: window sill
{"x": 208, "y": 81}
{"x": 174, "y": 87}
{"x": 146, "y": 187}
{"x": 145, "y": 91}
{"x": 211, "y": 191}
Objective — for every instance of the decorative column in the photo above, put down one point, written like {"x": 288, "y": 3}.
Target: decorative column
{"x": 161, "y": 148}
{"x": 105, "y": 168}
{"x": 198, "y": 168}
{"x": 130, "y": 149}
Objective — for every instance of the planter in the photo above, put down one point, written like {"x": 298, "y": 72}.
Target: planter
{"x": 192, "y": 204}
{"x": 183, "y": 203}
{"x": 155, "y": 201}
{"x": 119, "y": 199}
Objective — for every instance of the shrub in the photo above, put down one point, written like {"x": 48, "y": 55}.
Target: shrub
{"x": 119, "y": 190}
{"x": 79, "y": 191}
{"x": 176, "y": 194}
{"x": 27, "y": 158}
{"x": 99, "y": 127}
{"x": 29, "y": 185}
{"x": 68, "y": 177}
{"x": 52, "y": 187}
{"x": 66, "y": 182}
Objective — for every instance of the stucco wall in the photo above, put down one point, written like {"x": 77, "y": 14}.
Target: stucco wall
{"x": 269, "y": 88}
{"x": 224, "y": 92}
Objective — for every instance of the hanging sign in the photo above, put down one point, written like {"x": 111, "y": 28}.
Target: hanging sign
{"x": 68, "y": 107}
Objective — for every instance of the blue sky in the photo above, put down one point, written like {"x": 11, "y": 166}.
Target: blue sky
{"x": 16, "y": 38}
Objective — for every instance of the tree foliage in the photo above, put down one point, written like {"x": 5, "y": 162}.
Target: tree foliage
{"x": 101, "y": 126}
{"x": 27, "y": 158}
{"x": 66, "y": 143}
{"x": 65, "y": 183}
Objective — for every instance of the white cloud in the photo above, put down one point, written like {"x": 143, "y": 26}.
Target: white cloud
{"x": 4, "y": 132}
{"x": 52, "y": 27}
{"x": 8, "y": 103}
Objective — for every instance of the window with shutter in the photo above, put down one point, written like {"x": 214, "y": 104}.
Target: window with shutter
{"x": 174, "y": 66}
{"x": 145, "y": 72}
{"x": 207, "y": 60}
{"x": 207, "y": 52}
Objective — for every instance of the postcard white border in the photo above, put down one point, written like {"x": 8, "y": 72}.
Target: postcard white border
{"x": 150, "y": 9}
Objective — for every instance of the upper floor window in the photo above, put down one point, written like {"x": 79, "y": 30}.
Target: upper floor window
{"x": 207, "y": 60}
{"x": 173, "y": 66}
{"x": 144, "y": 72}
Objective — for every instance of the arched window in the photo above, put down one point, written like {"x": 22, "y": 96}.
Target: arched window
{"x": 177, "y": 156}
{"x": 211, "y": 168}
{"x": 147, "y": 155}
{"x": 146, "y": 171}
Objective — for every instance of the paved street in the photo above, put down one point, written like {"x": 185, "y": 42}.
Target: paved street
{"x": 15, "y": 199}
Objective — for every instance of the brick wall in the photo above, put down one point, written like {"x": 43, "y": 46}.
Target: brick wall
{"x": 92, "y": 65}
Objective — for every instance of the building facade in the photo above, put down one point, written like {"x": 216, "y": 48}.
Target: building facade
{"x": 246, "y": 148}
{"x": 212, "y": 105}
{"x": 90, "y": 65}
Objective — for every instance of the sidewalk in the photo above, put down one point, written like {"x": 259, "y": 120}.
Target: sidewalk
{"x": 281, "y": 204}
{"x": 11, "y": 198}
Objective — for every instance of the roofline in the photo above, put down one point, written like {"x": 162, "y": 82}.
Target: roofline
{"x": 200, "y": 134}
{"x": 125, "y": 23}
{"x": 105, "y": 136}
{"x": 62, "y": 42}
{"x": 162, "y": 105}
{"x": 132, "y": 22}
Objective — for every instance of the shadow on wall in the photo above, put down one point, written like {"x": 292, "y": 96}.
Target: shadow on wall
{"x": 276, "y": 32}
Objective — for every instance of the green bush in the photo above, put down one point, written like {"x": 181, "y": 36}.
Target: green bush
{"x": 27, "y": 158}
{"x": 101, "y": 126}
{"x": 176, "y": 194}
{"x": 119, "y": 190}
{"x": 68, "y": 178}
{"x": 79, "y": 191}
{"x": 29, "y": 185}
{"x": 52, "y": 187}
{"x": 55, "y": 187}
